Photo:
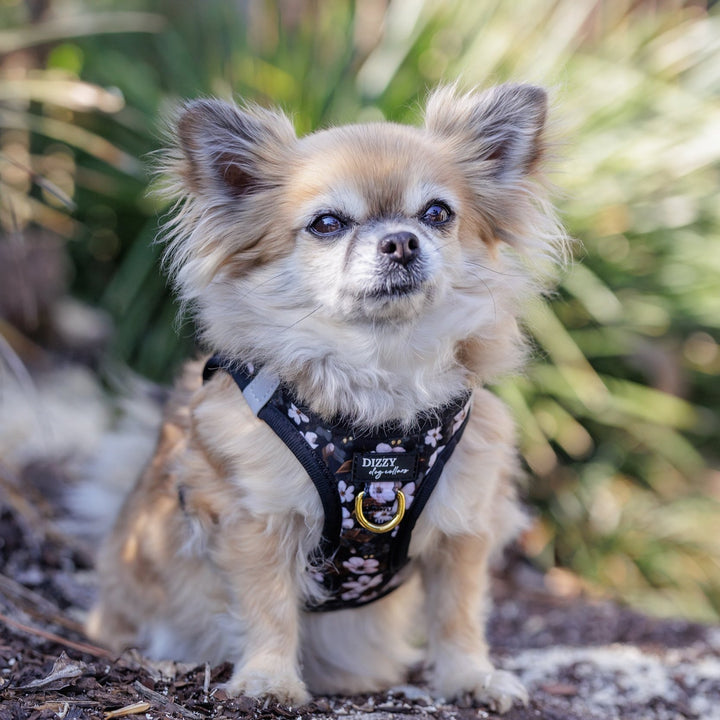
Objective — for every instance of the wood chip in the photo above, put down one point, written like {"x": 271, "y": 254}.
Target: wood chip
{"x": 134, "y": 709}
{"x": 206, "y": 681}
{"x": 35, "y": 604}
{"x": 164, "y": 701}
{"x": 52, "y": 637}
{"x": 59, "y": 708}
{"x": 63, "y": 669}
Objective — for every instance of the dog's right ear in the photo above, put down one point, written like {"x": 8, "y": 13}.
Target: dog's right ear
{"x": 496, "y": 133}
{"x": 231, "y": 151}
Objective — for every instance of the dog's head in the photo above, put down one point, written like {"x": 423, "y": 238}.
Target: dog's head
{"x": 363, "y": 234}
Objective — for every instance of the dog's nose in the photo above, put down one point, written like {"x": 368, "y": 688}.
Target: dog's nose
{"x": 400, "y": 247}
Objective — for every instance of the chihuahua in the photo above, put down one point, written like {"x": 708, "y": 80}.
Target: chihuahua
{"x": 328, "y": 488}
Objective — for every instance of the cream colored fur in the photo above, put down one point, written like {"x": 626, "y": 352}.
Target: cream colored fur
{"x": 208, "y": 558}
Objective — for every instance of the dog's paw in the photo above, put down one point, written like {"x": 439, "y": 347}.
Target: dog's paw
{"x": 499, "y": 690}
{"x": 287, "y": 688}
{"x": 496, "y": 689}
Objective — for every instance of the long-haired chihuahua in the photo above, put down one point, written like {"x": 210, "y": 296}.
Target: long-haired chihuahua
{"x": 329, "y": 486}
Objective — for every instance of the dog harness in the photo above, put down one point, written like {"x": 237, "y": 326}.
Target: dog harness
{"x": 372, "y": 485}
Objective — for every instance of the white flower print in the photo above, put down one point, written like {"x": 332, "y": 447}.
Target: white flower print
{"x": 459, "y": 419}
{"x": 434, "y": 456}
{"x": 433, "y": 436}
{"x": 346, "y": 491}
{"x": 297, "y": 415}
{"x": 310, "y": 438}
{"x": 355, "y": 588}
{"x": 361, "y": 566}
{"x": 347, "y": 519}
{"x": 409, "y": 492}
{"x": 317, "y": 576}
{"x": 382, "y": 492}
{"x": 385, "y": 514}
{"x": 385, "y": 447}
{"x": 328, "y": 451}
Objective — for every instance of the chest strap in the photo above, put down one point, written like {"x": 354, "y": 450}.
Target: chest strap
{"x": 373, "y": 485}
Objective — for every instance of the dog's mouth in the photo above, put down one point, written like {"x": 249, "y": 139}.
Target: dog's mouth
{"x": 394, "y": 290}
{"x": 398, "y": 282}
{"x": 392, "y": 286}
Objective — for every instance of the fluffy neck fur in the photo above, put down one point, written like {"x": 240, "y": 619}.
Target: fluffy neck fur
{"x": 240, "y": 178}
{"x": 372, "y": 373}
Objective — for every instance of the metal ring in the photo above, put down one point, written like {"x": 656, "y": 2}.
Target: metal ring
{"x": 385, "y": 527}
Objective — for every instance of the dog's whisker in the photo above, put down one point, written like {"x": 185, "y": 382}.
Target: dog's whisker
{"x": 260, "y": 284}
{"x": 492, "y": 296}
{"x": 303, "y": 318}
{"x": 492, "y": 270}
{"x": 474, "y": 263}
{"x": 253, "y": 288}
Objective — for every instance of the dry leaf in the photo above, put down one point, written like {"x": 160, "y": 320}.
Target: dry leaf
{"x": 134, "y": 709}
{"x": 63, "y": 669}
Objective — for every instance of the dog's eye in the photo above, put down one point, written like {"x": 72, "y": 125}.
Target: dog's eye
{"x": 437, "y": 213}
{"x": 326, "y": 225}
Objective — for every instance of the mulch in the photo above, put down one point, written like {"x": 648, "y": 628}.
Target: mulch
{"x": 48, "y": 669}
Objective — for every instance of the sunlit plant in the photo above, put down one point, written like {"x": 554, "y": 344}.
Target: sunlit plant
{"x": 618, "y": 413}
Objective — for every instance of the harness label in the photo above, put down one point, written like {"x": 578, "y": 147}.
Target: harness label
{"x": 378, "y": 467}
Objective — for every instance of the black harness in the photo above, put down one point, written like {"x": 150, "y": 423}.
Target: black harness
{"x": 372, "y": 485}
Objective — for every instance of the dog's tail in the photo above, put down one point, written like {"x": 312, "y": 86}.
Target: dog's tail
{"x": 110, "y": 471}
{"x": 72, "y": 448}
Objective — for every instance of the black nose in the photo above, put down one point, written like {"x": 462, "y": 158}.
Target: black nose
{"x": 400, "y": 247}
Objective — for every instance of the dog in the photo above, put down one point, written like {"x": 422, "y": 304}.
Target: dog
{"x": 328, "y": 489}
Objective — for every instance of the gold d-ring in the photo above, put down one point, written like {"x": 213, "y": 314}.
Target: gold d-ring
{"x": 386, "y": 527}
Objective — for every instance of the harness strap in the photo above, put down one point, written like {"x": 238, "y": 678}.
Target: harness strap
{"x": 258, "y": 399}
{"x": 359, "y": 560}
{"x": 402, "y": 545}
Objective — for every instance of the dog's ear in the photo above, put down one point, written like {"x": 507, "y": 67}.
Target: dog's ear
{"x": 230, "y": 150}
{"x": 499, "y": 142}
{"x": 498, "y": 132}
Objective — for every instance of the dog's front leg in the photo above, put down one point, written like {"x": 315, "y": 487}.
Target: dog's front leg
{"x": 260, "y": 569}
{"x": 455, "y": 576}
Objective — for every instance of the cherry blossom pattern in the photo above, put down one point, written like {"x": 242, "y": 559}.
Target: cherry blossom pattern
{"x": 346, "y": 491}
{"x": 434, "y": 456}
{"x": 361, "y": 565}
{"x": 387, "y": 447}
{"x": 433, "y": 436}
{"x": 348, "y": 520}
{"x": 294, "y": 413}
{"x": 409, "y": 493}
{"x": 311, "y": 439}
{"x": 383, "y": 492}
{"x": 460, "y": 418}
{"x": 355, "y": 589}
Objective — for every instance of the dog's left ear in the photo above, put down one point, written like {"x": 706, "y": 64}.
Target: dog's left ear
{"x": 229, "y": 151}
{"x": 498, "y": 132}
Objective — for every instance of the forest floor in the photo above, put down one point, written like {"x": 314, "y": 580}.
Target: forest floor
{"x": 579, "y": 659}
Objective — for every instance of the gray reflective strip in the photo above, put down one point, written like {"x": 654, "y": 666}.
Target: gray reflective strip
{"x": 260, "y": 389}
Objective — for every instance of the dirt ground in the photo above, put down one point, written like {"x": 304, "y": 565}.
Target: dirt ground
{"x": 579, "y": 659}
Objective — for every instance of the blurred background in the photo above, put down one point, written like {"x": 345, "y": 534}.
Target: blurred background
{"x": 619, "y": 413}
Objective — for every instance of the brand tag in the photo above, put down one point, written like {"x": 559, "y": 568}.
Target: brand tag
{"x": 379, "y": 467}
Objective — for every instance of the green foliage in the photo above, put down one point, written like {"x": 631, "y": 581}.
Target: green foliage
{"x": 619, "y": 414}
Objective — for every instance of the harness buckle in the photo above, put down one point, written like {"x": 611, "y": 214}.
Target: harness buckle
{"x": 385, "y": 527}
